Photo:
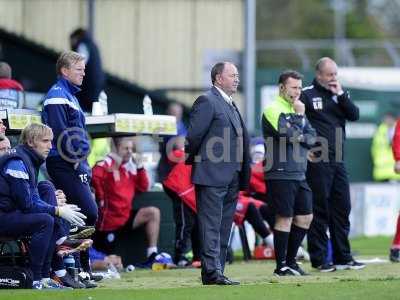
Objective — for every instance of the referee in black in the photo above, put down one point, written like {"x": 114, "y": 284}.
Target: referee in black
{"x": 288, "y": 135}
{"x": 328, "y": 107}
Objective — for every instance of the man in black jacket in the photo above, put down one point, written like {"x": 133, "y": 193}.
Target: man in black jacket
{"x": 94, "y": 80}
{"x": 328, "y": 107}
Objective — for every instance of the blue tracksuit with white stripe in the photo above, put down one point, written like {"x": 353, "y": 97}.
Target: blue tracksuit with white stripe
{"x": 27, "y": 207}
{"x": 66, "y": 163}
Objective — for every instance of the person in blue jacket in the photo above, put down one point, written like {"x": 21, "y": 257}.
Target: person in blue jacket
{"x": 67, "y": 161}
{"x": 25, "y": 211}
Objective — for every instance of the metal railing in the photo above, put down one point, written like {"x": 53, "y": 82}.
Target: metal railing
{"x": 346, "y": 46}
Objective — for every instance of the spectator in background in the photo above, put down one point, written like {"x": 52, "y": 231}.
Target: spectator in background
{"x": 257, "y": 187}
{"x": 2, "y": 128}
{"x": 4, "y": 144}
{"x": 11, "y": 91}
{"x": 93, "y": 83}
{"x": 381, "y": 150}
{"x": 395, "y": 248}
{"x": 176, "y": 109}
{"x": 116, "y": 180}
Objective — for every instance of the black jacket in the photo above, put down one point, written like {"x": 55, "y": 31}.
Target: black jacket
{"x": 94, "y": 80}
{"x": 328, "y": 114}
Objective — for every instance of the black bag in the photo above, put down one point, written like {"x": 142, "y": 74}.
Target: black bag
{"x": 15, "y": 277}
{"x": 14, "y": 265}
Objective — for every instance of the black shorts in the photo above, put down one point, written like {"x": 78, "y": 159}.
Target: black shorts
{"x": 289, "y": 198}
{"x": 106, "y": 241}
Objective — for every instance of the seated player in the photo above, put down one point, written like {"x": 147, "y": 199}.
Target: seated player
{"x": 116, "y": 180}
{"x": 24, "y": 207}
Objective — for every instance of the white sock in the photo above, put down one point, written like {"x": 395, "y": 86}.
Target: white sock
{"x": 151, "y": 250}
{"x": 60, "y": 273}
{"x": 36, "y": 282}
{"x": 45, "y": 279}
{"x": 269, "y": 240}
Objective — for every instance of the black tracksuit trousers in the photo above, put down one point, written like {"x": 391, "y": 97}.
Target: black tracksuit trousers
{"x": 331, "y": 207}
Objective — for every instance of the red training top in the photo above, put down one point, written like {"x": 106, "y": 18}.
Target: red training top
{"x": 115, "y": 187}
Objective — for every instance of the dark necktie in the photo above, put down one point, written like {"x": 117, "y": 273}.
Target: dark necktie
{"x": 239, "y": 129}
{"x": 236, "y": 116}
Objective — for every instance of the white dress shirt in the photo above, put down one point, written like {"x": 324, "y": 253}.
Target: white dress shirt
{"x": 224, "y": 95}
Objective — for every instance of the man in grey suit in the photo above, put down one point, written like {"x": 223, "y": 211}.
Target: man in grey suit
{"x": 218, "y": 150}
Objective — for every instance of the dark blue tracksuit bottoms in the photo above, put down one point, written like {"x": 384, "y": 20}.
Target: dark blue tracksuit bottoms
{"x": 43, "y": 229}
{"x": 61, "y": 228}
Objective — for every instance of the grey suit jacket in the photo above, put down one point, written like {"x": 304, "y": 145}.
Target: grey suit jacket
{"x": 217, "y": 142}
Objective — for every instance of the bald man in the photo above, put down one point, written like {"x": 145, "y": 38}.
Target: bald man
{"x": 328, "y": 107}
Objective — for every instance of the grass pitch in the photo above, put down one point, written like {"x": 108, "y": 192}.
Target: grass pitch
{"x": 378, "y": 280}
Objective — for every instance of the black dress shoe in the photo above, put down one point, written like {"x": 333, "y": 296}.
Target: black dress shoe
{"x": 231, "y": 282}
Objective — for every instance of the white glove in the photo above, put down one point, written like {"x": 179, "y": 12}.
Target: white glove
{"x": 71, "y": 213}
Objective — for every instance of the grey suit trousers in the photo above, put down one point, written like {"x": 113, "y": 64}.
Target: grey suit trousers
{"x": 215, "y": 209}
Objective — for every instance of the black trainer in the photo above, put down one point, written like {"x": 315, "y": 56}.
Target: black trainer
{"x": 68, "y": 280}
{"x": 148, "y": 263}
{"x": 84, "y": 278}
{"x": 96, "y": 277}
{"x": 231, "y": 281}
{"x": 394, "y": 255}
{"x": 296, "y": 269}
{"x": 89, "y": 284}
{"x": 325, "y": 268}
{"x": 351, "y": 265}
{"x": 284, "y": 271}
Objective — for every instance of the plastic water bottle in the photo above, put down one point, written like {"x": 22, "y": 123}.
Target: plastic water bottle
{"x": 69, "y": 261}
{"x": 147, "y": 108}
{"x": 103, "y": 102}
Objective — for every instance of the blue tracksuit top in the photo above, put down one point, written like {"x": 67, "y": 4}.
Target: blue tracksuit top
{"x": 18, "y": 182}
{"x": 63, "y": 114}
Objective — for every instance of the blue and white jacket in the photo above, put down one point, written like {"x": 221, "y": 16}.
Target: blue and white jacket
{"x": 18, "y": 182}
{"x": 63, "y": 114}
